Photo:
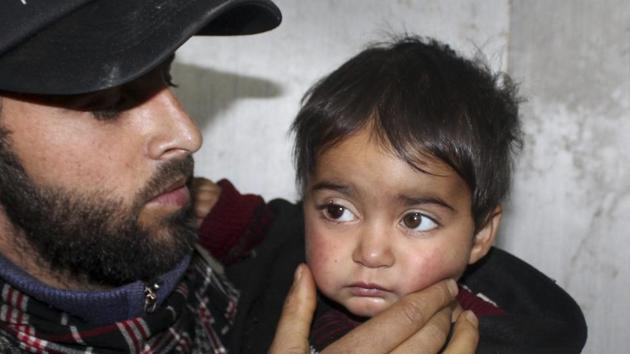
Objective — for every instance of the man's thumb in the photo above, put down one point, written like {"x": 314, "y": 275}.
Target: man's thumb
{"x": 295, "y": 322}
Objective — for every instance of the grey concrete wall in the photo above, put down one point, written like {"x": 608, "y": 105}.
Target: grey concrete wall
{"x": 569, "y": 211}
{"x": 570, "y": 214}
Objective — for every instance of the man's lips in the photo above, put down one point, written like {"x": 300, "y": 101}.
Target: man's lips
{"x": 367, "y": 290}
{"x": 177, "y": 194}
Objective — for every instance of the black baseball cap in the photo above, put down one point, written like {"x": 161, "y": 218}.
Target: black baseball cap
{"x": 60, "y": 47}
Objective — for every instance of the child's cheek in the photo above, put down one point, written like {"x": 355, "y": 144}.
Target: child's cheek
{"x": 427, "y": 268}
{"x": 322, "y": 260}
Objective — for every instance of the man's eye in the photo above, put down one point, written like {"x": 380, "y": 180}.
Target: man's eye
{"x": 107, "y": 114}
{"x": 416, "y": 221}
{"x": 109, "y": 107}
{"x": 337, "y": 213}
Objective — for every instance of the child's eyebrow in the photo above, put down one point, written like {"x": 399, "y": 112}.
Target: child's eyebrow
{"x": 409, "y": 201}
{"x": 343, "y": 189}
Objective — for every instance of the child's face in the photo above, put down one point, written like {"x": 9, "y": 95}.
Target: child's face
{"x": 378, "y": 229}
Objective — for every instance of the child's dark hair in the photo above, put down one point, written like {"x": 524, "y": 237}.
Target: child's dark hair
{"x": 422, "y": 99}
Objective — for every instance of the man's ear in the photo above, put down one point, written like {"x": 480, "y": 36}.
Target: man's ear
{"x": 484, "y": 238}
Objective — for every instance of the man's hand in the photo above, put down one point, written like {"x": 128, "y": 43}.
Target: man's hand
{"x": 419, "y": 322}
{"x": 297, "y": 315}
{"x": 205, "y": 194}
{"x": 465, "y": 335}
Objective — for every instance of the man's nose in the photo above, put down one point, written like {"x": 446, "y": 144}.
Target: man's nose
{"x": 373, "y": 250}
{"x": 171, "y": 133}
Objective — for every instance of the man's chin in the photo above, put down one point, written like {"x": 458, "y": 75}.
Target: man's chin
{"x": 166, "y": 237}
{"x": 155, "y": 245}
{"x": 158, "y": 218}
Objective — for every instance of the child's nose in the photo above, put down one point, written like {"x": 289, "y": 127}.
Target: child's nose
{"x": 374, "y": 249}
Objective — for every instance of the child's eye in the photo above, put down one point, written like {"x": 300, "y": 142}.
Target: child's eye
{"x": 337, "y": 213}
{"x": 418, "y": 222}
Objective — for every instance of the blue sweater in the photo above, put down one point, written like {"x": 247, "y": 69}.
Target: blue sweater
{"x": 96, "y": 307}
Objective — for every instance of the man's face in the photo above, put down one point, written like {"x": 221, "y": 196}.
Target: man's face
{"x": 378, "y": 229}
{"x": 97, "y": 184}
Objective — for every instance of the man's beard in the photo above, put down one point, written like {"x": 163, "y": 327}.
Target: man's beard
{"x": 93, "y": 237}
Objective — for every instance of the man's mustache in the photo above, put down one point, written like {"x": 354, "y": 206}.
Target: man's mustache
{"x": 167, "y": 174}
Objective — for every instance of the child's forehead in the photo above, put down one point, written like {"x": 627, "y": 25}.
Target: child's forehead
{"x": 368, "y": 161}
{"x": 373, "y": 141}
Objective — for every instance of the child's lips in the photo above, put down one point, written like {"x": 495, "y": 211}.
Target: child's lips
{"x": 367, "y": 290}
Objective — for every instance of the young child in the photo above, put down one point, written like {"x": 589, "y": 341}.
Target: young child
{"x": 404, "y": 156}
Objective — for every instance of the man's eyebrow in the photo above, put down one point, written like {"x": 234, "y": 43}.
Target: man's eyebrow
{"x": 419, "y": 200}
{"x": 341, "y": 188}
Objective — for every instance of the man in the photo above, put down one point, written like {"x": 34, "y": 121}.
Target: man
{"x": 97, "y": 235}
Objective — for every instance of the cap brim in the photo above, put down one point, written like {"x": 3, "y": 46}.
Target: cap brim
{"x": 108, "y": 43}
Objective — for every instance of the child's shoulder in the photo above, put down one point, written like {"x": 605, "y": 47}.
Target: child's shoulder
{"x": 539, "y": 316}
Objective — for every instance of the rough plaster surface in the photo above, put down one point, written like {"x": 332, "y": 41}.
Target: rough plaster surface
{"x": 571, "y": 202}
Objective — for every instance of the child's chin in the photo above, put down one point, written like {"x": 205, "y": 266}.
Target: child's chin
{"x": 366, "y": 306}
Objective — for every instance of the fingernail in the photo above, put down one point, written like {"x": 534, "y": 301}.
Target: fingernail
{"x": 452, "y": 287}
{"x": 470, "y": 316}
{"x": 298, "y": 273}
{"x": 296, "y": 278}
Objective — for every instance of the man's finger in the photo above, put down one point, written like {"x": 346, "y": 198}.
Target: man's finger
{"x": 431, "y": 338}
{"x": 390, "y": 328}
{"x": 465, "y": 335}
{"x": 205, "y": 194}
{"x": 293, "y": 328}
{"x": 201, "y": 182}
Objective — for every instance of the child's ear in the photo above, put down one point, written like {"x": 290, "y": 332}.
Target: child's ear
{"x": 484, "y": 239}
